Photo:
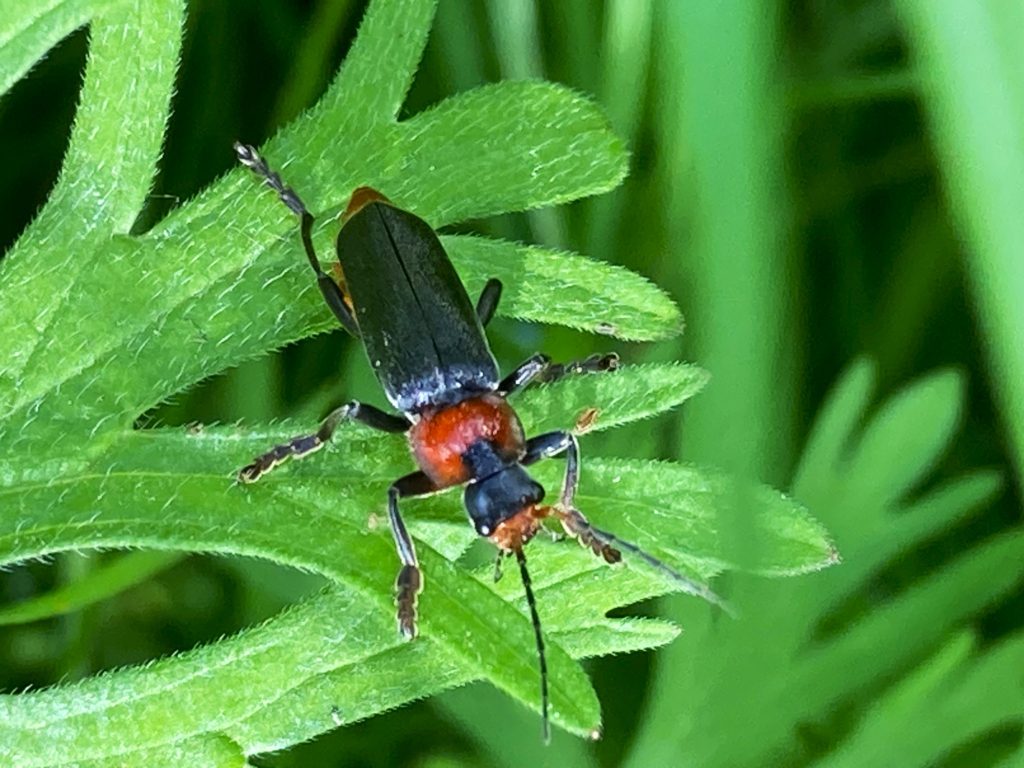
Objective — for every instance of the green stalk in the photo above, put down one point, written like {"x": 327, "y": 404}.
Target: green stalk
{"x": 723, "y": 102}
{"x": 972, "y": 76}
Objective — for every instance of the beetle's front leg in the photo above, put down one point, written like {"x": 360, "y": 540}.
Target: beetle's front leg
{"x": 602, "y": 543}
{"x": 572, "y": 520}
{"x": 332, "y": 293}
{"x": 409, "y": 583}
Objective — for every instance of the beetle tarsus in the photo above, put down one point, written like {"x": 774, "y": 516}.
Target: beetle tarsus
{"x": 408, "y": 586}
{"x": 295, "y": 448}
{"x": 594, "y": 364}
{"x": 251, "y": 159}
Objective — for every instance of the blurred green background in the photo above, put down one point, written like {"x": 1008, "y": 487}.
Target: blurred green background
{"x": 814, "y": 182}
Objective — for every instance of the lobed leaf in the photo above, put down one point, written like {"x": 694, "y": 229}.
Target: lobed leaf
{"x": 104, "y": 180}
{"x": 808, "y": 647}
{"x": 595, "y": 297}
{"x": 100, "y": 331}
{"x": 172, "y": 488}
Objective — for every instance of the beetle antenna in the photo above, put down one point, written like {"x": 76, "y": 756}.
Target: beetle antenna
{"x": 532, "y": 602}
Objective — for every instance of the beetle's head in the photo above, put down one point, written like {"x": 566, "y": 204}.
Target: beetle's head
{"x": 504, "y": 507}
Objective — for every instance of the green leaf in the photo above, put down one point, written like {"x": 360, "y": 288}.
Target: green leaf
{"x": 29, "y": 30}
{"x": 102, "y": 323}
{"x": 972, "y": 94}
{"x": 599, "y": 298}
{"x": 106, "y": 175}
{"x": 952, "y": 698}
{"x": 805, "y": 647}
{"x": 172, "y": 488}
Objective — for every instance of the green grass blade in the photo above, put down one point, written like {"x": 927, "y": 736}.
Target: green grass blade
{"x": 101, "y": 583}
{"x": 972, "y": 83}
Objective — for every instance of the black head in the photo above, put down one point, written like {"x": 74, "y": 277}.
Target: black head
{"x": 500, "y": 497}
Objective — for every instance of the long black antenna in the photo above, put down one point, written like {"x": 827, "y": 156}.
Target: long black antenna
{"x": 532, "y": 602}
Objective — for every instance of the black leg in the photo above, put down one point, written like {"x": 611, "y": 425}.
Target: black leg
{"x": 539, "y": 369}
{"x": 524, "y": 374}
{"x": 303, "y": 445}
{"x": 488, "y": 301}
{"x": 592, "y": 364}
{"x": 409, "y": 583}
{"x": 499, "y": 561}
{"x": 332, "y": 294}
{"x": 554, "y": 444}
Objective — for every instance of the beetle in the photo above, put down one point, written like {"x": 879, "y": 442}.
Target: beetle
{"x": 398, "y": 292}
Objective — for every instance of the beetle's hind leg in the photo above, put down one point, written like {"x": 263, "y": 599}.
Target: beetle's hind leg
{"x": 303, "y": 445}
{"x": 596, "y": 363}
{"x": 333, "y": 296}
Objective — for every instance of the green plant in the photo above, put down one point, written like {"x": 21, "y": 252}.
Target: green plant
{"x": 819, "y": 673}
{"x": 102, "y": 324}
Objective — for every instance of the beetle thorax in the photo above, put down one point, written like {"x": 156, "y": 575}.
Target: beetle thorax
{"x": 443, "y": 439}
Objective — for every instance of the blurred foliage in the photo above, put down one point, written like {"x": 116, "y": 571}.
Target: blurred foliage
{"x": 812, "y": 182}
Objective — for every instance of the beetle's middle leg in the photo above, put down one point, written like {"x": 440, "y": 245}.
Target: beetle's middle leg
{"x": 539, "y": 369}
{"x": 488, "y": 301}
{"x": 303, "y": 445}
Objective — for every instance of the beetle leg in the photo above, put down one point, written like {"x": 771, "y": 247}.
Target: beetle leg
{"x": 523, "y": 374}
{"x": 593, "y": 364}
{"x": 499, "y": 561}
{"x": 601, "y": 543}
{"x": 251, "y": 159}
{"x": 409, "y": 583}
{"x": 303, "y": 445}
{"x": 488, "y": 301}
{"x": 539, "y": 369}
{"x": 554, "y": 444}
